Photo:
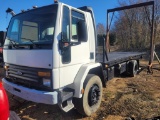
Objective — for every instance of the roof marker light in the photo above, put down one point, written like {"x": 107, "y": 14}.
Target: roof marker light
{"x": 35, "y": 7}
{"x": 55, "y": 1}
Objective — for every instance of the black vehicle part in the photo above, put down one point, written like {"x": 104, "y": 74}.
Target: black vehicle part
{"x": 133, "y": 68}
{"x": 91, "y": 99}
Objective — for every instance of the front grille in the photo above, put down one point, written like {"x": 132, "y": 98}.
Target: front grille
{"x": 26, "y": 76}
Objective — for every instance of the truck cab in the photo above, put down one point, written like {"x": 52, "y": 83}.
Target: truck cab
{"x": 48, "y": 52}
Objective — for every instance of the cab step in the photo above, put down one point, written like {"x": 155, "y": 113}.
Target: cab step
{"x": 65, "y": 99}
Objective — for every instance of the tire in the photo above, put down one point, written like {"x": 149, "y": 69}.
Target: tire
{"x": 92, "y": 97}
{"x": 133, "y": 68}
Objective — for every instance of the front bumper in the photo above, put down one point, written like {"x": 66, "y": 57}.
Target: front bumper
{"x": 31, "y": 94}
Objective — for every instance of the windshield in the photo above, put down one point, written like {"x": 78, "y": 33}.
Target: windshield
{"x": 32, "y": 27}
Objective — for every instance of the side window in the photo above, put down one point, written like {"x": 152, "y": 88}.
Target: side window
{"x": 76, "y": 17}
{"x": 66, "y": 52}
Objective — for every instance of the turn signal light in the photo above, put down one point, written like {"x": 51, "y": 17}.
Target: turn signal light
{"x": 1, "y": 50}
{"x": 82, "y": 91}
{"x": 6, "y": 67}
{"x": 44, "y": 74}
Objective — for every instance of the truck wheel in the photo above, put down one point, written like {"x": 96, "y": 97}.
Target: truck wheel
{"x": 91, "y": 99}
{"x": 133, "y": 68}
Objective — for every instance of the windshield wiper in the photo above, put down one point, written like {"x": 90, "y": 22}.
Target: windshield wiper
{"x": 31, "y": 42}
{"x": 13, "y": 43}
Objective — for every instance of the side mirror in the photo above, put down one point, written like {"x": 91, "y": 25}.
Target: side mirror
{"x": 82, "y": 31}
{"x": 64, "y": 37}
{"x": 64, "y": 42}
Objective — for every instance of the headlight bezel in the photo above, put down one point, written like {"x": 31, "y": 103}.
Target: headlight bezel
{"x": 45, "y": 78}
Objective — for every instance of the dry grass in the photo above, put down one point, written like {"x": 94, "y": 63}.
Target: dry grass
{"x": 137, "y": 97}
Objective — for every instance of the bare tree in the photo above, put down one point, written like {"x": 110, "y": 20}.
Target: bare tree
{"x": 101, "y": 29}
{"x": 132, "y": 26}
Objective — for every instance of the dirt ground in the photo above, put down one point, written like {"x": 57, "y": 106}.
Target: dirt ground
{"x": 135, "y": 97}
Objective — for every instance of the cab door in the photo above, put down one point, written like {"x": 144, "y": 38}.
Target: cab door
{"x": 74, "y": 52}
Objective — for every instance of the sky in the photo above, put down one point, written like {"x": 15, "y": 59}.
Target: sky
{"x": 99, "y": 7}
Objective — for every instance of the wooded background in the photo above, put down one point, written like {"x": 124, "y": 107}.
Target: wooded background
{"x": 131, "y": 29}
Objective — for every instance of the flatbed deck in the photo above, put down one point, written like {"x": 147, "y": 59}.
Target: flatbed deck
{"x": 119, "y": 57}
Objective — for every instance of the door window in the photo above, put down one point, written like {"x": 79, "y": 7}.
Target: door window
{"x": 76, "y": 17}
{"x": 66, "y": 52}
{"x": 65, "y": 24}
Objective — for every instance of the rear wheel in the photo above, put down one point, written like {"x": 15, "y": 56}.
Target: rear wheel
{"x": 133, "y": 68}
{"x": 91, "y": 99}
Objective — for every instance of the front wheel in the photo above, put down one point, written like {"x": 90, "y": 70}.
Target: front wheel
{"x": 91, "y": 99}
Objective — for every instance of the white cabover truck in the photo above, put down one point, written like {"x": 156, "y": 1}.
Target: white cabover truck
{"x": 50, "y": 57}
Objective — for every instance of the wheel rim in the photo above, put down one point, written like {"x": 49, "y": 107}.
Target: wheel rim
{"x": 94, "y": 95}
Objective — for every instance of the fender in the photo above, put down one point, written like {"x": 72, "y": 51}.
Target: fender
{"x": 80, "y": 77}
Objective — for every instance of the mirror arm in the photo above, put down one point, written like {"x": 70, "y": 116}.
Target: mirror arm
{"x": 74, "y": 43}
{"x": 60, "y": 45}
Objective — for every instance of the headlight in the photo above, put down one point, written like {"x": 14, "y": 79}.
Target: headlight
{"x": 46, "y": 82}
